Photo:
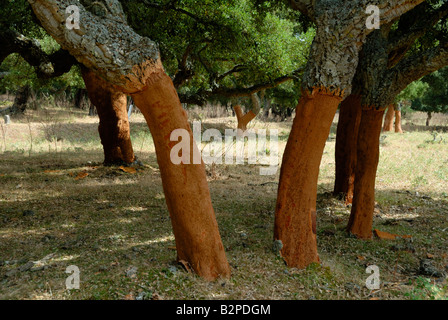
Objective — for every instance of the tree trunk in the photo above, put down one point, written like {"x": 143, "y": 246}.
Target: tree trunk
{"x": 398, "y": 128}
{"x": 243, "y": 119}
{"x": 361, "y": 217}
{"x": 295, "y": 216}
{"x": 20, "y": 102}
{"x": 114, "y": 130}
{"x": 389, "y": 120}
{"x": 111, "y": 48}
{"x": 346, "y": 142}
{"x": 186, "y": 190}
{"x": 428, "y": 119}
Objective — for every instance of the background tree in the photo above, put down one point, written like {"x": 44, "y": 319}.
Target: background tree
{"x": 340, "y": 32}
{"x": 434, "y": 98}
{"x": 393, "y": 57}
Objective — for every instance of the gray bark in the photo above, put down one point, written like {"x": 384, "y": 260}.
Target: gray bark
{"x": 105, "y": 43}
{"x": 341, "y": 32}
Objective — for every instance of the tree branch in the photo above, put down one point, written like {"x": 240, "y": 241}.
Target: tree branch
{"x": 46, "y": 66}
{"x": 415, "y": 67}
{"x": 412, "y": 26}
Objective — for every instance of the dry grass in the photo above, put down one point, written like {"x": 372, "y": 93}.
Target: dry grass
{"x": 111, "y": 221}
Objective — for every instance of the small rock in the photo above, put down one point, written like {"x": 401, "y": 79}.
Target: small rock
{"x": 143, "y": 296}
{"x": 351, "y": 286}
{"x": 427, "y": 269}
{"x": 173, "y": 269}
{"x": 131, "y": 272}
{"x": 27, "y": 266}
{"x": 28, "y": 213}
{"x": 277, "y": 246}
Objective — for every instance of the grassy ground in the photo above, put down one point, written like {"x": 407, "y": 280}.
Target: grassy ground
{"x": 115, "y": 226}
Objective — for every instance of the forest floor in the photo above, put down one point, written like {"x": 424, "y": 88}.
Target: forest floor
{"x": 60, "y": 207}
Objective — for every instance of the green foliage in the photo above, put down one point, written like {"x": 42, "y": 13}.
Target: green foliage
{"x": 262, "y": 38}
{"x": 19, "y": 73}
{"x": 425, "y": 289}
{"x": 435, "y": 97}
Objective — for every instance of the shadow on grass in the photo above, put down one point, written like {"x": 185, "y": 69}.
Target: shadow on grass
{"x": 112, "y": 221}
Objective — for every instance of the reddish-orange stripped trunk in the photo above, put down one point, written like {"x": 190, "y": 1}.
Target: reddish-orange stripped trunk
{"x": 361, "y": 217}
{"x": 198, "y": 241}
{"x": 295, "y": 216}
{"x": 243, "y": 119}
{"x": 111, "y": 104}
{"x": 346, "y": 142}
{"x": 398, "y": 128}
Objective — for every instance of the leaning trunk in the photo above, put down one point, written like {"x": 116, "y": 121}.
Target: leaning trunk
{"x": 110, "y": 47}
{"x": 198, "y": 242}
{"x": 361, "y": 217}
{"x": 389, "y": 119}
{"x": 114, "y": 130}
{"x": 295, "y": 216}
{"x": 346, "y": 141}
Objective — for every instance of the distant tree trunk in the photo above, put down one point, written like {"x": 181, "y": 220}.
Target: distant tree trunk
{"x": 133, "y": 64}
{"x": 398, "y": 128}
{"x": 244, "y": 119}
{"x": 389, "y": 120}
{"x": 111, "y": 105}
{"x": 80, "y": 97}
{"x": 21, "y": 100}
{"x": 428, "y": 119}
{"x": 361, "y": 217}
{"x": 346, "y": 142}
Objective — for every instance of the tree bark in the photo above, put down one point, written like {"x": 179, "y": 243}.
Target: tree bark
{"x": 398, "y": 128}
{"x": 114, "y": 130}
{"x": 186, "y": 190}
{"x": 389, "y": 119}
{"x": 108, "y": 46}
{"x": 428, "y": 119}
{"x": 295, "y": 215}
{"x": 346, "y": 143}
{"x": 361, "y": 217}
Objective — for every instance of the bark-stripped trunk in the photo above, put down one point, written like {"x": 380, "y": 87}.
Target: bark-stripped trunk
{"x": 109, "y": 47}
{"x": 295, "y": 216}
{"x": 398, "y": 128}
{"x": 389, "y": 119}
{"x": 186, "y": 190}
{"x": 244, "y": 119}
{"x": 114, "y": 130}
{"x": 340, "y": 33}
{"x": 361, "y": 217}
{"x": 346, "y": 142}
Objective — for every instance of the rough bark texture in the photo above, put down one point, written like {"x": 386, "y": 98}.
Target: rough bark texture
{"x": 389, "y": 119}
{"x": 105, "y": 44}
{"x": 114, "y": 130}
{"x": 361, "y": 217}
{"x": 198, "y": 242}
{"x": 295, "y": 216}
{"x": 109, "y": 47}
{"x": 346, "y": 142}
{"x": 341, "y": 31}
